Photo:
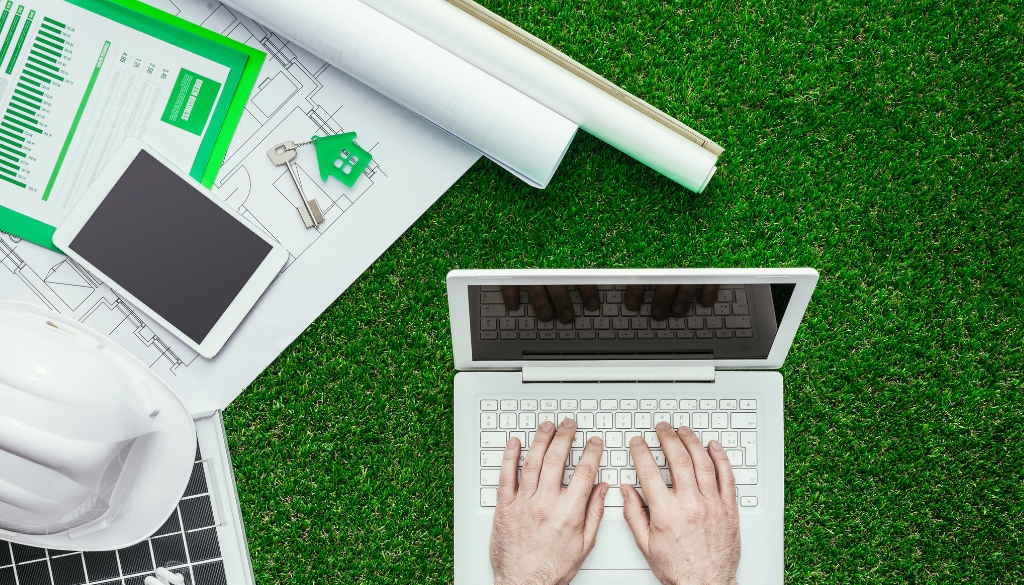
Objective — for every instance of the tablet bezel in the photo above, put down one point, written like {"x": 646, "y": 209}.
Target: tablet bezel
{"x": 243, "y": 301}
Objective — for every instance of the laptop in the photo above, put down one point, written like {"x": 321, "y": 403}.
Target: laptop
{"x": 618, "y": 372}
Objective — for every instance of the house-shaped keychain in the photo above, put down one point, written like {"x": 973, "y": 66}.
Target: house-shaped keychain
{"x": 340, "y": 157}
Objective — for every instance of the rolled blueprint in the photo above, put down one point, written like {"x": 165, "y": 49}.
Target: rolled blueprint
{"x": 511, "y": 129}
{"x": 546, "y": 75}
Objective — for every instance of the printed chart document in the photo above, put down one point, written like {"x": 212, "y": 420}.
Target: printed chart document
{"x": 297, "y": 95}
{"x": 76, "y": 78}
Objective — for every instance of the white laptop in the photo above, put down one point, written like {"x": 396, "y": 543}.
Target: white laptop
{"x": 617, "y": 373}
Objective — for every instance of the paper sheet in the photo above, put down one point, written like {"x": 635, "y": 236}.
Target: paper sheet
{"x": 546, "y": 75}
{"x": 510, "y": 128}
{"x": 297, "y": 95}
{"x": 75, "y": 85}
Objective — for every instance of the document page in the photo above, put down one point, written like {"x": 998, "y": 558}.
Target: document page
{"x": 76, "y": 78}
{"x": 297, "y": 95}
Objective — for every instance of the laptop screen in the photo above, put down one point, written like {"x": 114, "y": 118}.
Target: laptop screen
{"x": 626, "y": 322}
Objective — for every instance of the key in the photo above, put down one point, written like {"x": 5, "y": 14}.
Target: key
{"x": 744, "y": 420}
{"x": 489, "y": 476}
{"x": 491, "y": 458}
{"x": 488, "y": 420}
{"x": 284, "y": 154}
{"x": 612, "y": 439}
{"x": 492, "y": 439}
{"x": 735, "y": 457}
{"x": 488, "y": 497}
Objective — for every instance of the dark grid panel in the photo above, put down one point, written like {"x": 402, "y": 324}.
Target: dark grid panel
{"x": 101, "y": 565}
{"x": 203, "y": 545}
{"x": 136, "y": 559}
{"x": 34, "y": 573}
{"x": 210, "y": 573}
{"x": 68, "y": 570}
{"x": 169, "y": 551}
{"x": 24, "y": 554}
{"x": 196, "y": 513}
{"x": 167, "y": 547}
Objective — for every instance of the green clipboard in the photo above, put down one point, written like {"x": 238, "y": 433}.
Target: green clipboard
{"x": 243, "y": 61}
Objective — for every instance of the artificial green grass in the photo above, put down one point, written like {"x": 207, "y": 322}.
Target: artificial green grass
{"x": 879, "y": 143}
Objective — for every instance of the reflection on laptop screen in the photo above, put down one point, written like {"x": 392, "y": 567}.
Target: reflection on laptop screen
{"x": 522, "y": 322}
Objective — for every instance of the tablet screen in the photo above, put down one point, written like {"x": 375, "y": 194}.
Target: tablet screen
{"x": 170, "y": 246}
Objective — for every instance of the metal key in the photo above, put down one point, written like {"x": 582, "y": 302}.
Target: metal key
{"x": 284, "y": 154}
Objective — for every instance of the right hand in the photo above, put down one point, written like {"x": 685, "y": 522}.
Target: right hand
{"x": 691, "y": 535}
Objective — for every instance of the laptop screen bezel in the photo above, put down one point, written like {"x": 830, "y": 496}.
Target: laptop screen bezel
{"x": 459, "y": 282}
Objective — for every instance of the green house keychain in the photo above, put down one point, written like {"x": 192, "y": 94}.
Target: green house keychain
{"x": 340, "y": 157}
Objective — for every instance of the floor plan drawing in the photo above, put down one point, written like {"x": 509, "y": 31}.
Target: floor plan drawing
{"x": 32, "y": 274}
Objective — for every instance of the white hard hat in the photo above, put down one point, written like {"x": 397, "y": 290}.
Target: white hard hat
{"x": 95, "y": 449}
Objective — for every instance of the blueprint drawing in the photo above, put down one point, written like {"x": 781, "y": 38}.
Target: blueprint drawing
{"x": 297, "y": 96}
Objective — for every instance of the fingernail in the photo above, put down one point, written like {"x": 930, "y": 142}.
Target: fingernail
{"x": 512, "y": 443}
{"x": 546, "y": 426}
{"x": 636, "y": 441}
{"x": 663, "y": 426}
{"x": 568, "y": 423}
{"x": 604, "y": 490}
{"x": 565, "y": 316}
{"x": 659, "y": 313}
{"x": 714, "y": 444}
{"x": 595, "y": 440}
{"x": 685, "y": 431}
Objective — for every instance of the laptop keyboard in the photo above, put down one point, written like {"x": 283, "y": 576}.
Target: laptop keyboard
{"x": 728, "y": 318}
{"x": 731, "y": 421}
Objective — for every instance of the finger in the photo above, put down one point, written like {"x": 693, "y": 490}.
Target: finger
{"x": 634, "y": 296}
{"x": 663, "y": 295}
{"x": 647, "y": 471}
{"x": 703, "y": 468}
{"x": 591, "y": 298}
{"x": 541, "y": 303}
{"x": 559, "y": 294}
{"x": 683, "y": 300}
{"x": 595, "y": 511}
{"x": 554, "y": 459}
{"x": 636, "y": 516}
{"x": 583, "y": 479}
{"x": 678, "y": 458}
{"x": 726, "y": 478}
{"x": 511, "y": 296}
{"x": 535, "y": 458}
{"x": 709, "y": 294}
{"x": 509, "y": 467}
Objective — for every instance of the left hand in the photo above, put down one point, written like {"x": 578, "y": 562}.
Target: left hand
{"x": 542, "y": 531}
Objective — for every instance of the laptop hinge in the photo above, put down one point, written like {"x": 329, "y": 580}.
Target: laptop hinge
{"x": 542, "y": 373}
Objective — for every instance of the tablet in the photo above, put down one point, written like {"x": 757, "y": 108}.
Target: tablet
{"x": 164, "y": 243}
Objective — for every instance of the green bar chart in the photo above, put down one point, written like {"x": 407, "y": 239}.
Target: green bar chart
{"x": 23, "y": 118}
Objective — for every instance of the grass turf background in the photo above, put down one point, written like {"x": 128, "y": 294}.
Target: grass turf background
{"x": 877, "y": 142}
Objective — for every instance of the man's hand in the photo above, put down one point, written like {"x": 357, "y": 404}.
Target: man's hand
{"x": 691, "y": 535}
{"x": 543, "y": 532}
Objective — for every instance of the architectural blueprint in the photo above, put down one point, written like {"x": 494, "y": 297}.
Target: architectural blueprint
{"x": 297, "y": 96}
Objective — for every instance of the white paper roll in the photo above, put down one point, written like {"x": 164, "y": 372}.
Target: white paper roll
{"x": 515, "y": 131}
{"x": 542, "y": 73}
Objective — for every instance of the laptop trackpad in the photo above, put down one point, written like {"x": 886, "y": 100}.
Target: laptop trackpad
{"x": 615, "y": 548}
